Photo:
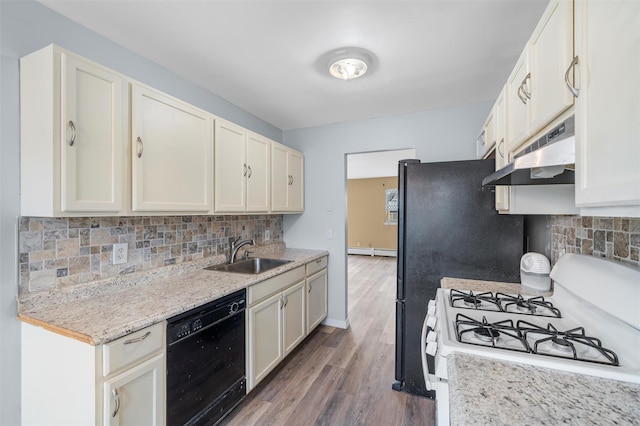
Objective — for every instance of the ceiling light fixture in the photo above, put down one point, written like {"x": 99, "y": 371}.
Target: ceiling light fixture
{"x": 348, "y": 63}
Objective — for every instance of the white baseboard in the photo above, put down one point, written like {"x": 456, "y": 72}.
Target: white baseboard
{"x": 372, "y": 252}
{"x": 336, "y": 323}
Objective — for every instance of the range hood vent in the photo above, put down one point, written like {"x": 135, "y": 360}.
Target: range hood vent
{"x": 549, "y": 160}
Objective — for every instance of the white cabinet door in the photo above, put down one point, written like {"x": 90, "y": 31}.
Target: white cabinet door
{"x": 607, "y": 37}
{"x": 517, "y": 98}
{"x": 172, "y": 154}
{"x": 295, "y": 162}
{"x": 265, "y": 338}
{"x": 294, "y": 317}
{"x": 550, "y": 54}
{"x": 258, "y": 173}
{"x": 92, "y": 123}
{"x": 316, "y": 299}
{"x": 279, "y": 178}
{"x": 502, "y": 157}
{"x": 136, "y": 397}
{"x": 230, "y": 167}
{"x": 287, "y": 179}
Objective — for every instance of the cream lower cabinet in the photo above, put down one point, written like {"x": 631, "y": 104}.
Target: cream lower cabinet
{"x": 287, "y": 179}
{"x": 607, "y": 40}
{"x": 73, "y": 121}
{"x": 276, "y": 322}
{"x": 172, "y": 154}
{"x": 316, "y": 293}
{"x": 68, "y": 382}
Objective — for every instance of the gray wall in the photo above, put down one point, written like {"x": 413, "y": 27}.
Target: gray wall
{"x": 438, "y": 135}
{"x": 26, "y": 26}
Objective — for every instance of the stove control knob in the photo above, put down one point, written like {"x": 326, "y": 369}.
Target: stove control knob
{"x": 234, "y": 307}
{"x": 431, "y": 322}
{"x": 432, "y": 336}
{"x": 431, "y": 309}
{"x": 432, "y": 348}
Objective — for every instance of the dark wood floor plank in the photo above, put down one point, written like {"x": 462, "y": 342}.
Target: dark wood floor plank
{"x": 342, "y": 377}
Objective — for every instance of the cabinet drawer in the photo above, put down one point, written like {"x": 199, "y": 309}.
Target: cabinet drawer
{"x": 316, "y": 265}
{"x": 131, "y": 348}
{"x": 273, "y": 285}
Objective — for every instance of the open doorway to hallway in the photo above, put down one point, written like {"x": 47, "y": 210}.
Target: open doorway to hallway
{"x": 372, "y": 179}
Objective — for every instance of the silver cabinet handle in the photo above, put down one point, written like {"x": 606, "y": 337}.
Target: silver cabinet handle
{"x": 245, "y": 170}
{"x": 309, "y": 289}
{"x": 524, "y": 86}
{"x": 501, "y": 152}
{"x": 250, "y": 172}
{"x": 574, "y": 90}
{"x": 281, "y": 301}
{"x": 115, "y": 395}
{"x": 139, "y": 147}
{"x": 522, "y": 98}
{"x": 138, "y": 339}
{"x": 318, "y": 261}
{"x": 286, "y": 301}
{"x": 72, "y": 126}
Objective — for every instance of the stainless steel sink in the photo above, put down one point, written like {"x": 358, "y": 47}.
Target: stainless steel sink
{"x": 256, "y": 265}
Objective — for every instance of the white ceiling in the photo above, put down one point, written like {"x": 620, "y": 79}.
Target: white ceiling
{"x": 267, "y": 56}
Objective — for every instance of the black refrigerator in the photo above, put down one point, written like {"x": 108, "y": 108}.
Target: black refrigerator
{"x": 448, "y": 226}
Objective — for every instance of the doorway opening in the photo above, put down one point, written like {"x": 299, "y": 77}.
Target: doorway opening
{"x": 371, "y": 222}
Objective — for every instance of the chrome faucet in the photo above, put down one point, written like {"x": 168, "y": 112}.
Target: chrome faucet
{"x": 235, "y": 246}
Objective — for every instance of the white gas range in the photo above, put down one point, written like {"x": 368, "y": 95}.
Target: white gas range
{"x": 591, "y": 325}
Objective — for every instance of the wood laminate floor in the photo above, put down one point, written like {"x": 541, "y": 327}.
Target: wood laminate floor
{"x": 342, "y": 377}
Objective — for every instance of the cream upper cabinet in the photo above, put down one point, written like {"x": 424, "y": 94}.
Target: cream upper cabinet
{"x": 607, "y": 37}
{"x": 550, "y": 55}
{"x": 536, "y": 89}
{"x": 73, "y": 136}
{"x": 172, "y": 150}
{"x": 287, "y": 179}
{"x": 502, "y": 158}
{"x": 242, "y": 170}
{"x": 230, "y": 167}
{"x": 517, "y": 97}
{"x": 258, "y": 173}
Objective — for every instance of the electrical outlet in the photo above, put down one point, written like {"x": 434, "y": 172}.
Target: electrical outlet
{"x": 329, "y": 234}
{"x": 120, "y": 253}
{"x": 267, "y": 234}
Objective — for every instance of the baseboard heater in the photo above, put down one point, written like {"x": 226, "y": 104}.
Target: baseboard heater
{"x": 372, "y": 251}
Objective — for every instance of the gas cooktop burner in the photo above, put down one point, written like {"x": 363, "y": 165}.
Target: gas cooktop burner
{"x": 486, "y": 334}
{"x": 572, "y": 343}
{"x": 502, "y": 334}
{"x": 532, "y": 306}
{"x": 482, "y": 301}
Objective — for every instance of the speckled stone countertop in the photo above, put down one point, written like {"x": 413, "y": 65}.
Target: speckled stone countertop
{"x": 493, "y": 286}
{"x": 493, "y": 392}
{"x": 486, "y": 391}
{"x": 111, "y": 308}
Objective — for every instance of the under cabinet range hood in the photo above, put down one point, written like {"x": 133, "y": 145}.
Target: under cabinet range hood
{"x": 549, "y": 160}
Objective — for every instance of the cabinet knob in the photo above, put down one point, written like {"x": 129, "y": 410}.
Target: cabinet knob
{"x": 72, "y": 139}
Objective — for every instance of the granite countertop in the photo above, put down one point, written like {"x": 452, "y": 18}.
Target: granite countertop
{"x": 493, "y": 286}
{"x": 490, "y": 391}
{"x": 108, "y": 309}
{"x": 493, "y": 392}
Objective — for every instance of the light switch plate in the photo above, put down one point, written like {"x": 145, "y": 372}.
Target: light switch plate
{"x": 120, "y": 253}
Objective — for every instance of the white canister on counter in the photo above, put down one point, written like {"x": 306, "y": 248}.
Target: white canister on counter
{"x": 534, "y": 271}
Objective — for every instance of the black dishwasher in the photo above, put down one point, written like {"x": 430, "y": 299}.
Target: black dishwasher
{"x": 206, "y": 361}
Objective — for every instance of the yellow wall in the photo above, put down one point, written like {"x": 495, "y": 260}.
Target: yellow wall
{"x": 366, "y": 213}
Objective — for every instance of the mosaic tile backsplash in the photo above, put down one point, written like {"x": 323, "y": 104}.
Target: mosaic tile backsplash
{"x": 57, "y": 252}
{"x": 614, "y": 238}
